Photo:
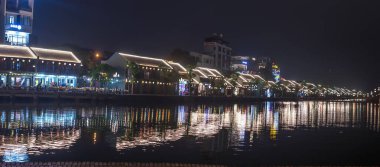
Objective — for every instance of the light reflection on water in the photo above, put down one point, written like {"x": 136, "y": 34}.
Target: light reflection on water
{"x": 36, "y": 131}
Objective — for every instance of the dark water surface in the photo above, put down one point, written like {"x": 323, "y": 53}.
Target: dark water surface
{"x": 281, "y": 133}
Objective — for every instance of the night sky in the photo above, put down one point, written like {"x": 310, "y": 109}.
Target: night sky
{"x": 322, "y": 41}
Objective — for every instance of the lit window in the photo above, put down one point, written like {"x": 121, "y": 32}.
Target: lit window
{"x": 11, "y": 20}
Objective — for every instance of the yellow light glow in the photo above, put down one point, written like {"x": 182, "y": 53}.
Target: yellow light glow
{"x": 200, "y": 73}
{"x": 179, "y": 65}
{"x": 66, "y": 53}
{"x": 33, "y": 56}
{"x": 147, "y": 58}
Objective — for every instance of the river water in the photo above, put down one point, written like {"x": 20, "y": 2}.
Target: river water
{"x": 269, "y": 133}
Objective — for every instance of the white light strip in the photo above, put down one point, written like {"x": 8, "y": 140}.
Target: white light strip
{"x": 33, "y": 56}
{"x": 200, "y": 73}
{"x": 285, "y": 87}
{"x": 217, "y": 72}
{"x": 239, "y": 84}
{"x": 196, "y": 81}
{"x": 208, "y": 70}
{"x": 258, "y": 76}
{"x": 179, "y": 65}
{"x": 243, "y": 78}
{"x": 253, "y": 76}
{"x": 228, "y": 82}
{"x": 147, "y": 58}
{"x": 58, "y": 52}
{"x": 310, "y": 84}
{"x": 271, "y": 82}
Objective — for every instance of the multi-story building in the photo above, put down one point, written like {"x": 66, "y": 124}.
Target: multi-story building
{"x": 16, "y": 21}
{"x": 220, "y": 50}
{"x": 203, "y": 60}
{"x": 243, "y": 64}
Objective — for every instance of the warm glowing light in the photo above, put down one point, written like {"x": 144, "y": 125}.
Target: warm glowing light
{"x": 67, "y": 54}
{"x": 147, "y": 58}
{"x": 30, "y": 55}
{"x": 204, "y": 75}
{"x": 179, "y": 65}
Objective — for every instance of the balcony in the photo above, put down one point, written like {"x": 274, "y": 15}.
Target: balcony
{"x": 19, "y": 28}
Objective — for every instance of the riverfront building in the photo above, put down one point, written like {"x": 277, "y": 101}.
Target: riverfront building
{"x": 219, "y": 50}
{"x": 16, "y": 21}
{"x": 268, "y": 69}
{"x": 143, "y": 75}
{"x": 244, "y": 64}
{"x": 203, "y": 60}
{"x": 28, "y": 67}
{"x": 211, "y": 82}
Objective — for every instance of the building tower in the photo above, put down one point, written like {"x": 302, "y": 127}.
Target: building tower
{"x": 218, "y": 48}
{"x": 16, "y": 21}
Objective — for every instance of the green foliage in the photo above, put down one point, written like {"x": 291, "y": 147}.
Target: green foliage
{"x": 234, "y": 78}
{"x": 102, "y": 73}
{"x": 133, "y": 70}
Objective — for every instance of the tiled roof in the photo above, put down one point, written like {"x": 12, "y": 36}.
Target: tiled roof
{"x": 34, "y": 53}
{"x": 55, "y": 55}
{"x": 210, "y": 72}
{"x": 147, "y": 61}
{"x": 178, "y": 67}
{"x": 16, "y": 52}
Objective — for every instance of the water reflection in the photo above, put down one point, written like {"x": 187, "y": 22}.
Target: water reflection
{"x": 33, "y": 131}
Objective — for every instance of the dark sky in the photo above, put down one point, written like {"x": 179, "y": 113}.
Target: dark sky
{"x": 323, "y": 41}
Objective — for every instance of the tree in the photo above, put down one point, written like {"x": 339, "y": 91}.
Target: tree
{"x": 133, "y": 71}
{"x": 234, "y": 79}
{"x": 184, "y": 58}
{"x": 102, "y": 73}
{"x": 258, "y": 84}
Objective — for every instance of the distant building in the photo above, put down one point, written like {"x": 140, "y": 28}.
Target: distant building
{"x": 243, "y": 64}
{"x": 220, "y": 50}
{"x": 16, "y": 21}
{"x": 203, "y": 60}
{"x": 268, "y": 69}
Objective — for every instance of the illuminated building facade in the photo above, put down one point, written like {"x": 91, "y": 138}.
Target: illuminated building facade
{"x": 17, "y": 21}
{"x": 183, "y": 87}
{"x": 28, "y": 67}
{"x": 276, "y": 73}
{"x": 268, "y": 69}
{"x": 219, "y": 49}
{"x": 143, "y": 75}
{"x": 203, "y": 60}
{"x": 244, "y": 64}
{"x": 211, "y": 82}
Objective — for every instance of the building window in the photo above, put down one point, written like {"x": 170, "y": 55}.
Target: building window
{"x": 11, "y": 20}
{"x": 146, "y": 75}
{"x": 16, "y": 38}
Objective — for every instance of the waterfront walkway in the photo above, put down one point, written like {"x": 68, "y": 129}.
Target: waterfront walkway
{"x": 102, "y": 164}
{"x": 11, "y": 96}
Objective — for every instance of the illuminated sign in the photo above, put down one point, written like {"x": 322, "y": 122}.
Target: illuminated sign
{"x": 16, "y": 26}
{"x": 244, "y": 62}
{"x": 276, "y": 73}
